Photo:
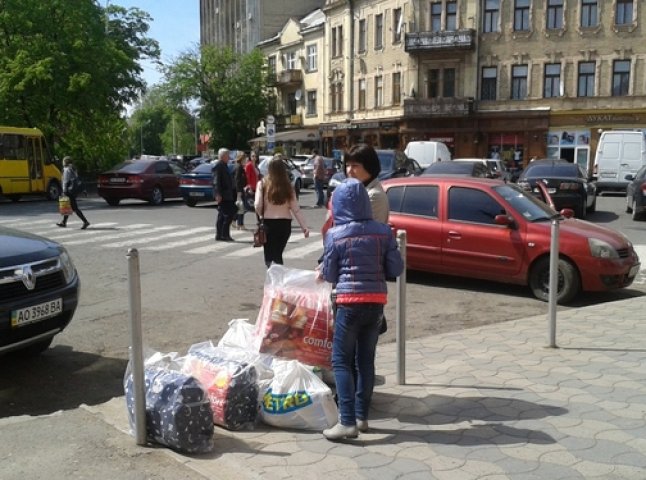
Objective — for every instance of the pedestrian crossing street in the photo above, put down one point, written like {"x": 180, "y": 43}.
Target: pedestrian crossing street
{"x": 158, "y": 238}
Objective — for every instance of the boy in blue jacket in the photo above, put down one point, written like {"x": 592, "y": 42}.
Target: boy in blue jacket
{"x": 360, "y": 253}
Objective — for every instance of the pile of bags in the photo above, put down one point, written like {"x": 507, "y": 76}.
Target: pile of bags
{"x": 265, "y": 372}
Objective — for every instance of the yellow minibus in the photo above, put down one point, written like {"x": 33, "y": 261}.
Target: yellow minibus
{"x": 26, "y": 167}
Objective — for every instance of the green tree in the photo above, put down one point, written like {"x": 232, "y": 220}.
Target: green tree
{"x": 70, "y": 67}
{"x": 230, "y": 88}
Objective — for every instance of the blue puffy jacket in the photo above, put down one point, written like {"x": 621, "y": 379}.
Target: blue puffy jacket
{"x": 360, "y": 253}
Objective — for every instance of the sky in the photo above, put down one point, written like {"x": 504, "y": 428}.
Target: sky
{"x": 175, "y": 25}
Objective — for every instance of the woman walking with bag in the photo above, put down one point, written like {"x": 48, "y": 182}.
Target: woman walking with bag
{"x": 72, "y": 186}
{"x": 275, "y": 204}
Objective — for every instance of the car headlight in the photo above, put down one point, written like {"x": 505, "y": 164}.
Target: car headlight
{"x": 601, "y": 249}
{"x": 68, "y": 266}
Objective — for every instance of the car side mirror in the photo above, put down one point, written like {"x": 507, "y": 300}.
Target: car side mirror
{"x": 630, "y": 177}
{"x": 567, "y": 213}
{"x": 504, "y": 219}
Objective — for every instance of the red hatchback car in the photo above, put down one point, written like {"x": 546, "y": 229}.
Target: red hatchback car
{"x": 492, "y": 230}
{"x": 151, "y": 180}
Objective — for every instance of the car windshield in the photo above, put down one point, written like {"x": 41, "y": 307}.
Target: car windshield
{"x": 387, "y": 161}
{"x": 203, "y": 168}
{"x": 552, "y": 170}
{"x": 525, "y": 203}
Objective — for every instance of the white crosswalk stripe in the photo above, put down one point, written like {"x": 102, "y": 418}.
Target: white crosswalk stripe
{"x": 153, "y": 238}
{"x": 115, "y": 236}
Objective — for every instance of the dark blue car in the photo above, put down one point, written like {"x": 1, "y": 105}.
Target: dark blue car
{"x": 197, "y": 185}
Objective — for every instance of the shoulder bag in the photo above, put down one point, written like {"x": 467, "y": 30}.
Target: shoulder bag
{"x": 260, "y": 234}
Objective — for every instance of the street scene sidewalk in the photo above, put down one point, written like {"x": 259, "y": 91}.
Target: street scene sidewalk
{"x": 492, "y": 403}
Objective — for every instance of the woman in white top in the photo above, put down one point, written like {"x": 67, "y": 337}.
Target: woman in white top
{"x": 275, "y": 203}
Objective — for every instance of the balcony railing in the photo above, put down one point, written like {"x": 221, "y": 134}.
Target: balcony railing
{"x": 426, "y": 107}
{"x": 289, "y": 77}
{"x": 420, "y": 42}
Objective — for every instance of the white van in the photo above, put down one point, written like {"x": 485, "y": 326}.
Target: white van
{"x": 427, "y": 152}
{"x": 619, "y": 153}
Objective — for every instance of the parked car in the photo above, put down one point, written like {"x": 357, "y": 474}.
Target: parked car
{"x": 292, "y": 170}
{"x": 636, "y": 194}
{"x": 470, "y": 168}
{"x": 300, "y": 160}
{"x": 307, "y": 170}
{"x": 39, "y": 291}
{"x": 197, "y": 185}
{"x": 491, "y": 230}
{"x": 566, "y": 182}
{"x": 151, "y": 180}
{"x": 499, "y": 169}
{"x": 394, "y": 163}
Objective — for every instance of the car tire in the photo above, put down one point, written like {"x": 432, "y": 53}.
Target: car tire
{"x": 53, "y": 190}
{"x": 593, "y": 208}
{"x": 113, "y": 202}
{"x": 297, "y": 188}
{"x": 569, "y": 283}
{"x": 191, "y": 202}
{"x": 635, "y": 214}
{"x": 157, "y": 196}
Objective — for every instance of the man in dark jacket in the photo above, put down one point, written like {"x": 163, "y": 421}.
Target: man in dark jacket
{"x": 224, "y": 193}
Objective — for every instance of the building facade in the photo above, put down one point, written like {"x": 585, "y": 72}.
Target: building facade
{"x": 242, "y": 24}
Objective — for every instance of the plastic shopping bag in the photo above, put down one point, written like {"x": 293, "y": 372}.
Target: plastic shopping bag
{"x": 178, "y": 411}
{"x": 64, "y": 205}
{"x": 295, "y": 320}
{"x": 297, "y": 398}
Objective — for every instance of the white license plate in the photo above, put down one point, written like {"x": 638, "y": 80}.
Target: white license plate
{"x": 117, "y": 180}
{"x": 551, "y": 190}
{"x": 195, "y": 194}
{"x": 634, "y": 270}
{"x": 36, "y": 313}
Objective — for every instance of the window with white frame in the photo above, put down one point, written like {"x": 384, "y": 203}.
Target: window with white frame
{"x": 397, "y": 88}
{"x": 312, "y": 58}
{"x": 398, "y": 25}
{"x": 589, "y": 13}
{"x": 444, "y": 16}
{"x": 379, "y": 31}
{"x": 290, "y": 61}
{"x": 362, "y": 94}
{"x": 379, "y": 91}
{"x": 518, "y": 82}
{"x": 451, "y": 16}
{"x": 436, "y": 16}
{"x": 521, "y": 15}
{"x": 311, "y": 102}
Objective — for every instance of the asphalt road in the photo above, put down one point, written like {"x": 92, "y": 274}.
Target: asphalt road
{"x": 191, "y": 287}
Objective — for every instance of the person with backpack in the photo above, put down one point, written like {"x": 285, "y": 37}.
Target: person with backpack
{"x": 72, "y": 187}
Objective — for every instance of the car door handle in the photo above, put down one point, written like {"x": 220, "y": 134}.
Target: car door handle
{"x": 454, "y": 234}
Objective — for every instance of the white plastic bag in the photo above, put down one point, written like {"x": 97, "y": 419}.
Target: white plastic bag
{"x": 239, "y": 335}
{"x": 297, "y": 398}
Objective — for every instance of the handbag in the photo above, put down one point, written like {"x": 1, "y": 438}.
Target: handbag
{"x": 260, "y": 234}
{"x": 64, "y": 205}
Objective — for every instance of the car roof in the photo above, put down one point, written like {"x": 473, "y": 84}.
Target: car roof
{"x": 442, "y": 179}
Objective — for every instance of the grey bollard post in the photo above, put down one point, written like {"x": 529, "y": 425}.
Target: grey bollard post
{"x": 554, "y": 280}
{"x": 136, "y": 346}
{"x": 401, "y": 313}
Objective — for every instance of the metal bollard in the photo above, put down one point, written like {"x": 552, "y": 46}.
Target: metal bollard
{"x": 401, "y": 313}
{"x": 554, "y": 280}
{"x": 136, "y": 346}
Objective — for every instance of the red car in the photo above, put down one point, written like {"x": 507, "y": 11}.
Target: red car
{"x": 151, "y": 180}
{"x": 492, "y": 230}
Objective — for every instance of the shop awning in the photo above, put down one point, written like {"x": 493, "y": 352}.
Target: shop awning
{"x": 301, "y": 135}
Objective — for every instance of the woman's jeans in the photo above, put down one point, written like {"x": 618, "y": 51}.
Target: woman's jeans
{"x": 356, "y": 331}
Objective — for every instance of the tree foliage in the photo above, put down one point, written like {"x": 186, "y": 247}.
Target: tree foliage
{"x": 230, "y": 88}
{"x": 69, "y": 69}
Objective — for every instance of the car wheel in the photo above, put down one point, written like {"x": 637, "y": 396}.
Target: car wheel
{"x": 297, "y": 188}
{"x": 113, "y": 202}
{"x": 53, "y": 190}
{"x": 593, "y": 208}
{"x": 191, "y": 202}
{"x": 569, "y": 283}
{"x": 157, "y": 195}
{"x": 635, "y": 215}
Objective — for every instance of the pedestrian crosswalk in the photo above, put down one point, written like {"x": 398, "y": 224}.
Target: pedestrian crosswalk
{"x": 158, "y": 238}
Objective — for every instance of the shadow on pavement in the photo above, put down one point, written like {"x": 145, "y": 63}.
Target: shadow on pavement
{"x": 72, "y": 378}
